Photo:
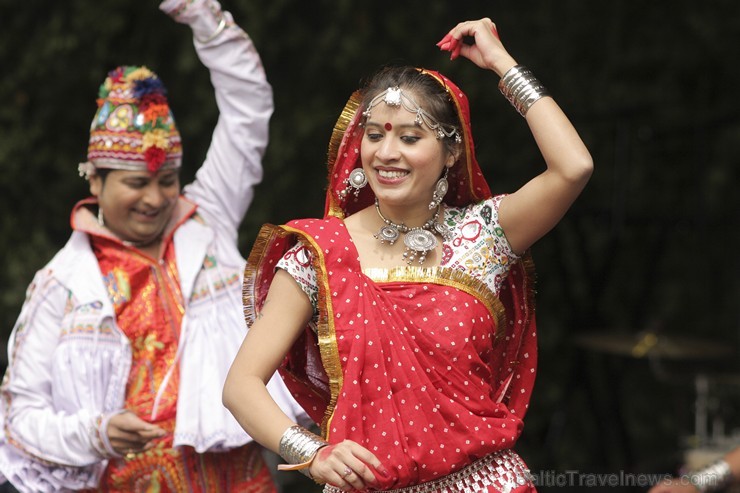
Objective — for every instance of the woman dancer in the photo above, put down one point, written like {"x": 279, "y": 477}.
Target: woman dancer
{"x": 403, "y": 320}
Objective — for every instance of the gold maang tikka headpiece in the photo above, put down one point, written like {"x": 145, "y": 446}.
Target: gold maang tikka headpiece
{"x": 394, "y": 96}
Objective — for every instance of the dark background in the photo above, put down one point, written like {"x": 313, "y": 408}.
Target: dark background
{"x": 652, "y": 86}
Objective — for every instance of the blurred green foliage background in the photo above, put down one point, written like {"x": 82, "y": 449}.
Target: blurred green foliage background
{"x": 651, "y": 244}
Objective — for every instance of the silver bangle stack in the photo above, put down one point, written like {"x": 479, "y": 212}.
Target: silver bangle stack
{"x": 714, "y": 477}
{"x": 521, "y": 88}
{"x": 299, "y": 446}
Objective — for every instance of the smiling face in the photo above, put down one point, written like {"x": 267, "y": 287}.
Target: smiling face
{"x": 136, "y": 204}
{"x": 401, "y": 159}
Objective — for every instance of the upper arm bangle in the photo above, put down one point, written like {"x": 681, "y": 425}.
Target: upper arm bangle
{"x": 521, "y": 88}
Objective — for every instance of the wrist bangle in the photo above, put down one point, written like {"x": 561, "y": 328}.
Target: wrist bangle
{"x": 298, "y": 447}
{"x": 521, "y": 88}
{"x": 714, "y": 477}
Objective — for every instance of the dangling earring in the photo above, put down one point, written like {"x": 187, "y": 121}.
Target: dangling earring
{"x": 440, "y": 189}
{"x": 101, "y": 222}
{"x": 357, "y": 180}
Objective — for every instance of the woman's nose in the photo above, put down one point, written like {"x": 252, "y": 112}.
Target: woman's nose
{"x": 388, "y": 150}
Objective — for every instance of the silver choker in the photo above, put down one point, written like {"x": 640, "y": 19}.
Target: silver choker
{"x": 419, "y": 241}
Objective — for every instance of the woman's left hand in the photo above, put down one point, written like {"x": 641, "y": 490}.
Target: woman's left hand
{"x": 486, "y": 51}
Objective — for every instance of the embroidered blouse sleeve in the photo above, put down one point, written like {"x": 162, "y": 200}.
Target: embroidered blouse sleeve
{"x": 497, "y": 247}
{"x": 297, "y": 263}
{"x": 501, "y": 247}
{"x": 478, "y": 245}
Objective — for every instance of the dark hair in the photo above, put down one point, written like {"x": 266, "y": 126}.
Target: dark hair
{"x": 432, "y": 96}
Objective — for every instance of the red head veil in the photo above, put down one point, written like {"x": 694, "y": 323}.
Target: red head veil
{"x": 466, "y": 181}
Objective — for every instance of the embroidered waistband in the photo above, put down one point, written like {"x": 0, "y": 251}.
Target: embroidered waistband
{"x": 503, "y": 470}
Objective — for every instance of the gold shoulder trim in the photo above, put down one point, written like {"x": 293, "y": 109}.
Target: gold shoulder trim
{"x": 266, "y": 237}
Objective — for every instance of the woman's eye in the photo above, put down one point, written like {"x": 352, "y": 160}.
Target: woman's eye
{"x": 410, "y": 139}
{"x": 373, "y": 136}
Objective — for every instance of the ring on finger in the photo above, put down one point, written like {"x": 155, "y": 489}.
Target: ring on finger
{"x": 347, "y": 472}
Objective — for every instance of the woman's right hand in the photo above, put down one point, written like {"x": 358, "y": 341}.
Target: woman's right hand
{"x": 486, "y": 49}
{"x": 348, "y": 466}
{"x": 128, "y": 433}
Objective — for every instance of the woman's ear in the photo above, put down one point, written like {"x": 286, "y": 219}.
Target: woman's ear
{"x": 453, "y": 156}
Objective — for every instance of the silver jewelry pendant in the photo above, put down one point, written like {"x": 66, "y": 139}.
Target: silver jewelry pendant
{"x": 420, "y": 240}
{"x": 388, "y": 233}
{"x": 443, "y": 231}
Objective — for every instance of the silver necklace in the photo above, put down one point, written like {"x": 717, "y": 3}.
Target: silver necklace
{"x": 419, "y": 241}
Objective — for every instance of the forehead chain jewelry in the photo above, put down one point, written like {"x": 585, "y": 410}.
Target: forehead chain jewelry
{"x": 395, "y": 97}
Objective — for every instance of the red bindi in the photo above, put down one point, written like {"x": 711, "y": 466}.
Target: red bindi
{"x": 388, "y": 126}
